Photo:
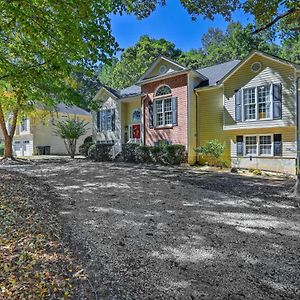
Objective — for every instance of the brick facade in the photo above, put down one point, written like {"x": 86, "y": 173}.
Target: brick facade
{"x": 177, "y": 134}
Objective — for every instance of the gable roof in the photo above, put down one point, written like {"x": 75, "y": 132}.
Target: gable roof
{"x": 156, "y": 62}
{"x": 216, "y": 72}
{"x": 261, "y": 53}
{"x": 72, "y": 109}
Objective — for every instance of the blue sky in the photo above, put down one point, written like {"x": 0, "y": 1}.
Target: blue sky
{"x": 171, "y": 22}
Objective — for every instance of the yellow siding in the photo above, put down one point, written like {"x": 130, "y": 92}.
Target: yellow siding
{"x": 272, "y": 72}
{"x": 210, "y": 119}
{"x": 43, "y": 134}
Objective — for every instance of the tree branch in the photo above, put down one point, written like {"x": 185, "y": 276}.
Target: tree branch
{"x": 25, "y": 68}
{"x": 279, "y": 17}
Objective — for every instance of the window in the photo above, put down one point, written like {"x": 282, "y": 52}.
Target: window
{"x": 264, "y": 102}
{"x": 106, "y": 120}
{"x": 265, "y": 145}
{"x": 251, "y": 145}
{"x": 163, "y": 90}
{"x": 257, "y": 103}
{"x": 136, "y": 116}
{"x": 249, "y": 104}
{"x": 163, "y": 112}
{"x": 261, "y": 145}
{"x": 24, "y": 126}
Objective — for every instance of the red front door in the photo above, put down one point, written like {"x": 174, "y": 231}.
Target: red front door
{"x": 136, "y": 131}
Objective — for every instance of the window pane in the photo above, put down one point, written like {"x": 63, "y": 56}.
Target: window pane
{"x": 250, "y": 145}
{"x": 167, "y": 105}
{"x": 159, "y": 107}
{"x": 168, "y": 118}
{"x": 265, "y": 145}
{"x": 264, "y": 103}
{"x": 159, "y": 119}
{"x": 249, "y": 104}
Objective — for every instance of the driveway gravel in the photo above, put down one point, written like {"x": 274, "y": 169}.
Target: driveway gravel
{"x": 150, "y": 232}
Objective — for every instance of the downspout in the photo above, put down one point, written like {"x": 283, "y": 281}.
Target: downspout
{"x": 298, "y": 125}
{"x": 197, "y": 139}
{"x": 144, "y": 97}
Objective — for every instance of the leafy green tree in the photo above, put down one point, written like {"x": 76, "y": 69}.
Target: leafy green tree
{"x": 43, "y": 43}
{"x": 266, "y": 13}
{"x": 70, "y": 131}
{"x": 136, "y": 60}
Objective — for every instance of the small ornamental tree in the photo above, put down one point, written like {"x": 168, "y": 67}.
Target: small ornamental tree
{"x": 70, "y": 131}
{"x": 212, "y": 151}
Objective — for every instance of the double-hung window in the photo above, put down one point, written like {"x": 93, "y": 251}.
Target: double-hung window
{"x": 249, "y": 104}
{"x": 265, "y": 145}
{"x": 106, "y": 120}
{"x": 251, "y": 145}
{"x": 264, "y": 102}
{"x": 163, "y": 112}
{"x": 24, "y": 126}
{"x": 257, "y": 103}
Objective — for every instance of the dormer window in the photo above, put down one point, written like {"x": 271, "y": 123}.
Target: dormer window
{"x": 163, "y": 90}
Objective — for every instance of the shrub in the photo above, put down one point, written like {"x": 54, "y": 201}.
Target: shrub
{"x": 211, "y": 151}
{"x": 84, "y": 148}
{"x": 166, "y": 154}
{"x": 257, "y": 172}
{"x": 100, "y": 152}
{"x": 1, "y": 149}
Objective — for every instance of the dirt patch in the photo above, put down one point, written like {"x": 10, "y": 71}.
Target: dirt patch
{"x": 149, "y": 232}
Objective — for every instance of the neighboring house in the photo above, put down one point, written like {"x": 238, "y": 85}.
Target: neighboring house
{"x": 35, "y": 135}
{"x": 250, "y": 105}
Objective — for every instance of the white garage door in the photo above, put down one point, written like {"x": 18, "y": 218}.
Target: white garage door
{"x": 23, "y": 148}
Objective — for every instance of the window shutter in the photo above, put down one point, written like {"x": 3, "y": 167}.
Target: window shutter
{"x": 277, "y": 101}
{"x": 238, "y": 106}
{"x": 277, "y": 145}
{"x": 98, "y": 120}
{"x": 174, "y": 111}
{"x": 150, "y": 116}
{"x": 239, "y": 145}
{"x": 113, "y": 119}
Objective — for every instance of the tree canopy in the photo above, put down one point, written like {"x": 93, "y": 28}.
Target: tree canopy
{"x": 217, "y": 47}
{"x": 136, "y": 60}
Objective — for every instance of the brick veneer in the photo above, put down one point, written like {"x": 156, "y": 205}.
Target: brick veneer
{"x": 176, "y": 134}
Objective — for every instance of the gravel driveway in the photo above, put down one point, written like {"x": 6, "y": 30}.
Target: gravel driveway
{"x": 147, "y": 232}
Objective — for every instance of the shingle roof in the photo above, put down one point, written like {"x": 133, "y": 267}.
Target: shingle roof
{"x": 217, "y": 72}
{"x": 61, "y": 107}
{"x": 130, "y": 91}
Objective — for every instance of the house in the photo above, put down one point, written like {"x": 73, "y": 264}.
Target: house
{"x": 250, "y": 105}
{"x": 35, "y": 135}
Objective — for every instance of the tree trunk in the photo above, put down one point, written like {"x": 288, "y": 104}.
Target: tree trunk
{"x": 8, "y": 151}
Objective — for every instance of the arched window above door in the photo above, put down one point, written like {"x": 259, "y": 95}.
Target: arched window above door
{"x": 163, "y": 90}
{"x": 136, "y": 116}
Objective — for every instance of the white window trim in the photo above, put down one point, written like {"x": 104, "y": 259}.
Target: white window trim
{"x": 257, "y": 145}
{"x": 162, "y": 96}
{"x": 256, "y": 103}
{"x": 100, "y": 127}
{"x": 163, "y": 113}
